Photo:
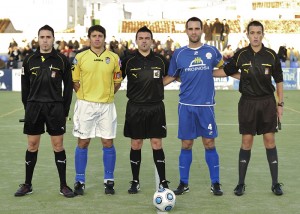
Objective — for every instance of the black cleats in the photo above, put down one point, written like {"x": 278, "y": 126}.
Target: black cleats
{"x": 135, "y": 187}
{"x": 109, "y": 187}
{"x": 79, "y": 188}
{"x": 276, "y": 189}
{"x": 182, "y": 188}
{"x": 164, "y": 184}
{"x": 67, "y": 192}
{"x": 25, "y": 189}
{"x": 239, "y": 189}
{"x": 216, "y": 189}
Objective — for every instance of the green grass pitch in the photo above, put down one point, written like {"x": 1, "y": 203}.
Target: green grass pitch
{"x": 258, "y": 197}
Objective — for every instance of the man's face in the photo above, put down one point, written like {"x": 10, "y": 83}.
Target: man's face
{"x": 255, "y": 36}
{"x": 97, "y": 39}
{"x": 46, "y": 41}
{"x": 144, "y": 41}
{"x": 194, "y": 31}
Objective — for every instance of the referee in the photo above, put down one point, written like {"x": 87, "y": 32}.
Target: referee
{"x": 145, "y": 111}
{"x": 257, "y": 109}
{"x": 46, "y": 102}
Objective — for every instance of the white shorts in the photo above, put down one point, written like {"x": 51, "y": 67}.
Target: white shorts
{"x": 94, "y": 120}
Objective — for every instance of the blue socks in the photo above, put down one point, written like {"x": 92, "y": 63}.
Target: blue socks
{"x": 109, "y": 162}
{"x": 80, "y": 163}
{"x": 185, "y": 161}
{"x": 212, "y": 160}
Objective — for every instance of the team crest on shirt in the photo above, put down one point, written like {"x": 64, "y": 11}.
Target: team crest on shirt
{"x": 156, "y": 73}
{"x": 107, "y": 60}
{"x": 208, "y": 55}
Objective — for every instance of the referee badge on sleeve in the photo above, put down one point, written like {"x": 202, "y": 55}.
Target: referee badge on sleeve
{"x": 156, "y": 73}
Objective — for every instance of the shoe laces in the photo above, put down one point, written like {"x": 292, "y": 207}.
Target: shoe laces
{"x": 134, "y": 184}
{"x": 164, "y": 184}
{"x": 278, "y": 185}
{"x": 217, "y": 186}
{"x": 182, "y": 186}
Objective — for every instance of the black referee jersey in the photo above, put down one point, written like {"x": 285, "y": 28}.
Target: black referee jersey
{"x": 256, "y": 71}
{"x": 42, "y": 78}
{"x": 144, "y": 77}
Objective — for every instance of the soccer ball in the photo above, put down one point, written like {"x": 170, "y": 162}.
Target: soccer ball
{"x": 164, "y": 199}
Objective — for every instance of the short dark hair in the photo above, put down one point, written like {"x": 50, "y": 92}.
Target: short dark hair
{"x": 144, "y": 29}
{"x": 255, "y": 23}
{"x": 46, "y": 27}
{"x": 194, "y": 19}
{"x": 98, "y": 28}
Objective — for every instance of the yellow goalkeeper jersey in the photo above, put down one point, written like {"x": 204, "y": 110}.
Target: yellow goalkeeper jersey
{"x": 97, "y": 75}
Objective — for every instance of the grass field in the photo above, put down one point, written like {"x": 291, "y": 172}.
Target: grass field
{"x": 258, "y": 198}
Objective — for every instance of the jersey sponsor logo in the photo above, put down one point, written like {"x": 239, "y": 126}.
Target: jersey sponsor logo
{"x": 156, "y": 74}
{"x": 196, "y": 65}
{"x": 99, "y": 60}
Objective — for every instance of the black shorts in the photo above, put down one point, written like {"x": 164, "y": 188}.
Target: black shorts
{"x": 145, "y": 121}
{"x": 37, "y": 115}
{"x": 257, "y": 115}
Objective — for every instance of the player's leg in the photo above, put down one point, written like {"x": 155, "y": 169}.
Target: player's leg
{"x": 156, "y": 130}
{"x": 268, "y": 129}
{"x": 135, "y": 164}
{"x": 159, "y": 160}
{"x": 33, "y": 127}
{"x": 56, "y": 127}
{"x": 272, "y": 157}
{"x": 212, "y": 161}
{"x": 244, "y": 159}
{"x": 135, "y": 128}
{"x": 30, "y": 162}
{"x": 107, "y": 129}
{"x": 185, "y": 161}
{"x": 81, "y": 157}
{"x": 247, "y": 116}
{"x": 186, "y": 130}
{"x": 84, "y": 129}
{"x": 61, "y": 162}
{"x": 207, "y": 128}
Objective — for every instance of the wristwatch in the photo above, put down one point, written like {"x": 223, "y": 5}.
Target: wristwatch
{"x": 280, "y": 104}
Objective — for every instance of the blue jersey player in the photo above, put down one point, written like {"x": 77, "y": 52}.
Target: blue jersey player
{"x": 194, "y": 65}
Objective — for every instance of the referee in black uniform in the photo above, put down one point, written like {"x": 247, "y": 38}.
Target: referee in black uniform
{"x": 46, "y": 102}
{"x": 145, "y": 111}
{"x": 258, "y": 112}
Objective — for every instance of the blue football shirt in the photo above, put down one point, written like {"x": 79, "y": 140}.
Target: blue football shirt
{"x": 195, "y": 67}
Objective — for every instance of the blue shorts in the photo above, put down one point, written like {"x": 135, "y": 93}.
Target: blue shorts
{"x": 196, "y": 121}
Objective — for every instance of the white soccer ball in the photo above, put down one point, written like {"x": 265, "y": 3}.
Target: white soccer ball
{"x": 164, "y": 199}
